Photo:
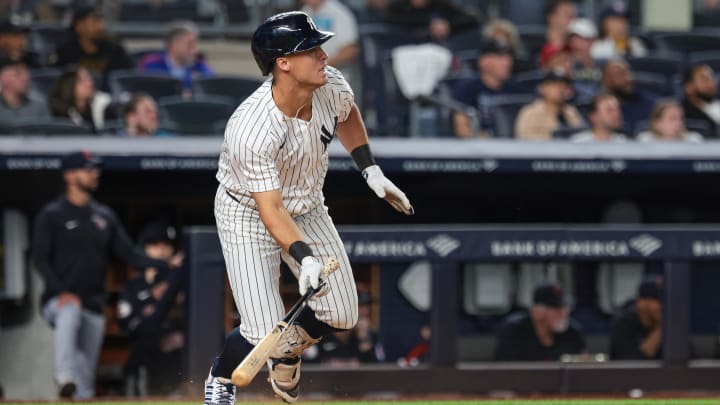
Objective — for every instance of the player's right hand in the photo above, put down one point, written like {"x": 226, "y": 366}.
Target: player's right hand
{"x": 310, "y": 270}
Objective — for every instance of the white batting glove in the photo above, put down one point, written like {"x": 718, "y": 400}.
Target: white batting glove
{"x": 310, "y": 270}
{"x": 386, "y": 190}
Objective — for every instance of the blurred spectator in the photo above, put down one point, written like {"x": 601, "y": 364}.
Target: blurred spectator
{"x": 333, "y": 16}
{"x": 373, "y": 12}
{"x": 439, "y": 18}
{"x": 559, "y": 14}
{"x": 615, "y": 40}
{"x": 700, "y": 101}
{"x": 581, "y": 34}
{"x": 667, "y": 124}
{"x": 74, "y": 97}
{"x": 89, "y": 47}
{"x": 605, "y": 121}
{"x": 557, "y": 60}
{"x": 504, "y": 31}
{"x": 140, "y": 117}
{"x": 73, "y": 238}
{"x": 539, "y": 119}
{"x": 13, "y": 43}
{"x": 181, "y": 58}
{"x": 636, "y": 332}
{"x": 350, "y": 348}
{"x": 494, "y": 65}
{"x": 17, "y": 103}
{"x": 617, "y": 79}
{"x": 150, "y": 311}
{"x": 418, "y": 354}
{"x": 543, "y": 334}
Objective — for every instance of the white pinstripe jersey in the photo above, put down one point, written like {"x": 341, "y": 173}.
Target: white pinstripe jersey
{"x": 266, "y": 150}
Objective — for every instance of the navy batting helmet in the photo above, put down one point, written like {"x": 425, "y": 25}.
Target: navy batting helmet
{"x": 284, "y": 34}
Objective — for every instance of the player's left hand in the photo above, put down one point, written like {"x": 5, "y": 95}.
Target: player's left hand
{"x": 310, "y": 270}
{"x": 386, "y": 190}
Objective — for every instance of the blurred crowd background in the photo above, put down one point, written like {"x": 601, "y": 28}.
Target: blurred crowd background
{"x": 577, "y": 70}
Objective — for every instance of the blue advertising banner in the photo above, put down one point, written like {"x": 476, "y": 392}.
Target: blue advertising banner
{"x": 393, "y": 243}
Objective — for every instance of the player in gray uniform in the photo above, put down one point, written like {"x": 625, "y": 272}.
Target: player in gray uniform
{"x": 270, "y": 207}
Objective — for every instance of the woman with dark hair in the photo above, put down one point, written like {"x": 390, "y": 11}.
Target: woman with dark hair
{"x": 74, "y": 97}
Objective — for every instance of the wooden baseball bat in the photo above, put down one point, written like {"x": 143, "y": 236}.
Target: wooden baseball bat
{"x": 258, "y": 356}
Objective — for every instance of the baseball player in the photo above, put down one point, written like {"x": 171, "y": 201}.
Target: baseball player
{"x": 270, "y": 207}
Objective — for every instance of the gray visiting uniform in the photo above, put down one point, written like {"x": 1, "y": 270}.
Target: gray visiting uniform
{"x": 265, "y": 150}
{"x": 76, "y": 365}
{"x": 32, "y": 109}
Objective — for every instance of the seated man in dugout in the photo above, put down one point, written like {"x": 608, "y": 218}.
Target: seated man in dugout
{"x": 545, "y": 333}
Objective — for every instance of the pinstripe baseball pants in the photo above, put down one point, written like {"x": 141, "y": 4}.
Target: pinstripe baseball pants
{"x": 252, "y": 259}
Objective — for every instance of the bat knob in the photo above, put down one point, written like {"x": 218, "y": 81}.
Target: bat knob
{"x": 240, "y": 379}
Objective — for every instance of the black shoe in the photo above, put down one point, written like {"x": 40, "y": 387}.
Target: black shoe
{"x": 67, "y": 390}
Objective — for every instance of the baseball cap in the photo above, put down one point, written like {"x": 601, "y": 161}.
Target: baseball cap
{"x": 549, "y": 294}
{"x": 583, "y": 28}
{"x": 557, "y": 76}
{"x": 651, "y": 287}
{"x": 9, "y": 27}
{"x": 84, "y": 11}
{"x": 80, "y": 160}
{"x": 158, "y": 231}
{"x": 5, "y": 62}
{"x": 491, "y": 46}
{"x": 616, "y": 9}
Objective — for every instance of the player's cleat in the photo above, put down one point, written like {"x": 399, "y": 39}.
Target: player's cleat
{"x": 219, "y": 391}
{"x": 285, "y": 378}
{"x": 67, "y": 390}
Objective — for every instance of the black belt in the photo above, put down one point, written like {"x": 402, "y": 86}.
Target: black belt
{"x": 232, "y": 196}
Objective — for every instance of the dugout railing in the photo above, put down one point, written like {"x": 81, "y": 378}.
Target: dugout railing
{"x": 673, "y": 246}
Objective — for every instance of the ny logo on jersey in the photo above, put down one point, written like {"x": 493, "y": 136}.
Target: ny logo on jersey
{"x": 328, "y": 136}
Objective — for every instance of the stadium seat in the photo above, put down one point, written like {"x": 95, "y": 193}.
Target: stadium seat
{"x": 710, "y": 58}
{"x": 138, "y": 56}
{"x": 528, "y": 81}
{"x": 488, "y": 288}
{"x": 666, "y": 65}
{"x": 376, "y": 42}
{"x": 125, "y": 82}
{"x": 162, "y": 12}
{"x": 235, "y": 87}
{"x": 687, "y": 42}
{"x": 654, "y": 83}
{"x": 522, "y": 11}
{"x": 44, "y": 39}
{"x": 392, "y": 107}
{"x": 196, "y": 117}
{"x": 533, "y": 38}
{"x": 466, "y": 41}
{"x": 566, "y": 133}
{"x": 506, "y": 109}
{"x": 50, "y": 127}
{"x": 43, "y": 80}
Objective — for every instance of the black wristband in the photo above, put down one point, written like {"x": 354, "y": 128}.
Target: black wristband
{"x": 300, "y": 250}
{"x": 362, "y": 156}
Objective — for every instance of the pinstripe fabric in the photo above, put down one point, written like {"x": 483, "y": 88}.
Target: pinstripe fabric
{"x": 265, "y": 150}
